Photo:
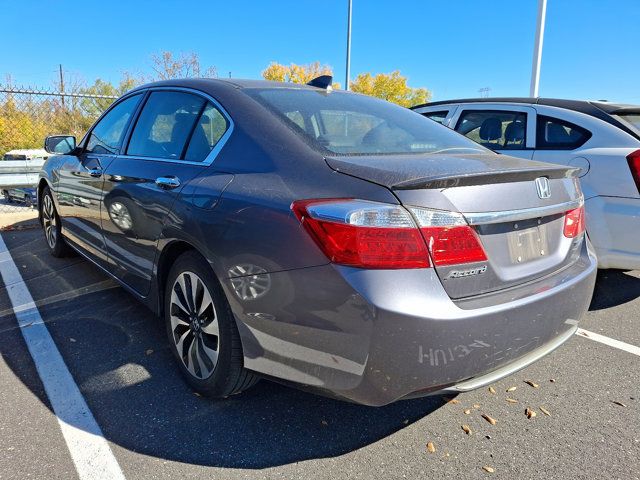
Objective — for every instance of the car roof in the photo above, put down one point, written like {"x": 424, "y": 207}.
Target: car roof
{"x": 234, "y": 82}
{"x": 601, "y": 109}
{"x": 608, "y": 107}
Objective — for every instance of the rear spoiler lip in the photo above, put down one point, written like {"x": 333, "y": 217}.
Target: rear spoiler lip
{"x": 484, "y": 178}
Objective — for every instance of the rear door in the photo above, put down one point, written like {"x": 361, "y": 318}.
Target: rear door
{"x": 507, "y": 129}
{"x": 169, "y": 145}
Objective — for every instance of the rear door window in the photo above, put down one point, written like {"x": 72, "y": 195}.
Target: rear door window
{"x": 494, "y": 129}
{"x": 210, "y": 128}
{"x": 555, "y": 134}
{"x": 165, "y": 125}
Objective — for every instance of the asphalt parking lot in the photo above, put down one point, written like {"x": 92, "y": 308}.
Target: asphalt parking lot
{"x": 157, "y": 427}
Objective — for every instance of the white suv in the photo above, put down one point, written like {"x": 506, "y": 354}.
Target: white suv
{"x": 601, "y": 138}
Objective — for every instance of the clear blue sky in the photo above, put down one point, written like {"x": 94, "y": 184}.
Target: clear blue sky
{"x": 453, "y": 48}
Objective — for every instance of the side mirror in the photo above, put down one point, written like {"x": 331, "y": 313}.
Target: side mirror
{"x": 60, "y": 144}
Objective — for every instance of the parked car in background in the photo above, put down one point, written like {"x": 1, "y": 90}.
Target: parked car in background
{"x": 26, "y": 154}
{"x": 600, "y": 138}
{"x": 324, "y": 238}
{"x": 19, "y": 172}
{"x": 21, "y": 195}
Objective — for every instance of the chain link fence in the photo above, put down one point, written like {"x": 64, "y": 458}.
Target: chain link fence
{"x": 27, "y": 116}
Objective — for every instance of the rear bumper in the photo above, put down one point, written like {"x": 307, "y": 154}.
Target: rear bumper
{"x": 613, "y": 224}
{"x": 375, "y": 336}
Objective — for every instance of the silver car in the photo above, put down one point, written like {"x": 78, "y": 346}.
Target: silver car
{"x": 322, "y": 238}
{"x": 602, "y": 139}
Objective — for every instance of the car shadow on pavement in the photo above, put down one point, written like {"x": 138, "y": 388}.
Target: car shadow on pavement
{"x": 614, "y": 287}
{"x": 118, "y": 355}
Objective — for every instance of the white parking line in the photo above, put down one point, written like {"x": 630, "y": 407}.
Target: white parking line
{"x": 609, "y": 341}
{"x": 89, "y": 450}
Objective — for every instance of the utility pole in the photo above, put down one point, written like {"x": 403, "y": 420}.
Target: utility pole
{"x": 537, "y": 48}
{"x": 61, "y": 84}
{"x": 346, "y": 82}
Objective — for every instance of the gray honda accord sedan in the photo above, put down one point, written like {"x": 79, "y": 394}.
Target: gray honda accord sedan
{"x": 321, "y": 238}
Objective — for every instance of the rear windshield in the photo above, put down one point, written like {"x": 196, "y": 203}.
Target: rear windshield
{"x": 350, "y": 124}
{"x": 631, "y": 118}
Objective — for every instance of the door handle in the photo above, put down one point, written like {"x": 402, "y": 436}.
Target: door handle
{"x": 95, "y": 172}
{"x": 168, "y": 183}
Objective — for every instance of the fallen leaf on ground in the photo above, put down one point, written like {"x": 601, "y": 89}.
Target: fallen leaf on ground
{"x": 451, "y": 400}
{"x": 467, "y": 412}
{"x": 197, "y": 394}
{"x": 148, "y": 352}
{"x": 476, "y": 405}
{"x": 532, "y": 383}
{"x": 511, "y": 389}
{"x": 406, "y": 422}
{"x": 492, "y": 390}
{"x": 529, "y": 413}
{"x": 489, "y": 419}
{"x": 324, "y": 423}
{"x": 466, "y": 429}
{"x": 431, "y": 448}
{"x": 545, "y": 411}
{"x": 552, "y": 380}
{"x": 489, "y": 469}
{"x": 512, "y": 400}
{"x": 619, "y": 403}
{"x": 72, "y": 340}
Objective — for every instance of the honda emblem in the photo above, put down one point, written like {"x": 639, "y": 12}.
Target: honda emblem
{"x": 543, "y": 187}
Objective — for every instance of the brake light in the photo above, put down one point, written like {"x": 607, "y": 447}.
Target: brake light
{"x": 574, "y": 222}
{"x": 368, "y": 234}
{"x": 363, "y": 234}
{"x": 634, "y": 164}
{"x": 451, "y": 241}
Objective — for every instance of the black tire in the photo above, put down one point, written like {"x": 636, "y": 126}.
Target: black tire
{"x": 52, "y": 227}
{"x": 193, "y": 337}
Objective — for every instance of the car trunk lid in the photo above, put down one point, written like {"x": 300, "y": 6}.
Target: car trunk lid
{"x": 520, "y": 227}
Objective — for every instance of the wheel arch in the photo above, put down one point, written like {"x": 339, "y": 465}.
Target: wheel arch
{"x": 42, "y": 184}
{"x": 166, "y": 259}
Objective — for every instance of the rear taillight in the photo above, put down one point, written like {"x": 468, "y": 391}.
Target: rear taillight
{"x": 634, "y": 165}
{"x": 367, "y": 234}
{"x": 450, "y": 239}
{"x": 574, "y": 222}
{"x": 363, "y": 234}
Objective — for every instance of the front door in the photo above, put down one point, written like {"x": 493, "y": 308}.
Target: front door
{"x": 80, "y": 182}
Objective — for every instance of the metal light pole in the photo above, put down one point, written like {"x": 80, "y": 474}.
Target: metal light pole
{"x": 346, "y": 82}
{"x": 537, "y": 48}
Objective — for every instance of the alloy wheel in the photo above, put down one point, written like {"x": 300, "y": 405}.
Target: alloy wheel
{"x": 194, "y": 325}
{"x": 49, "y": 221}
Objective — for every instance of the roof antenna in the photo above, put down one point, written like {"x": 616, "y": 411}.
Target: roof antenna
{"x": 323, "y": 81}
